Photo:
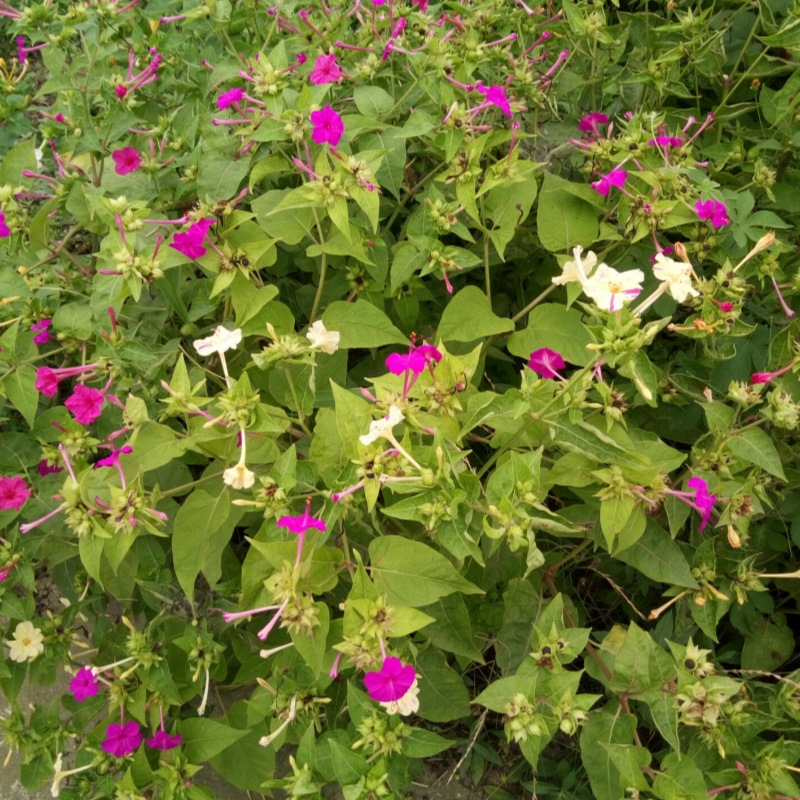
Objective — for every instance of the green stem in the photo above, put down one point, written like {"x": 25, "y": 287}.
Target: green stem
{"x": 535, "y": 302}
{"x": 178, "y": 490}
{"x": 323, "y": 269}
{"x": 301, "y": 420}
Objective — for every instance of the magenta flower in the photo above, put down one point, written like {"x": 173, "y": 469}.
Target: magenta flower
{"x": 5, "y": 231}
{"x": 392, "y": 682}
{"x": 616, "y": 177}
{"x": 6, "y": 571}
{"x": 45, "y": 469}
{"x": 120, "y": 91}
{"x": 415, "y": 361}
{"x": 714, "y": 211}
{"x": 328, "y": 126}
{"x": 163, "y": 741}
{"x": 14, "y": 492}
{"x": 725, "y": 306}
{"x": 767, "y": 377}
{"x": 666, "y": 141}
{"x": 47, "y": 379}
{"x": 589, "y": 123}
{"x": 299, "y": 525}
{"x": 326, "y": 70}
{"x": 704, "y": 502}
{"x": 122, "y": 740}
{"x": 497, "y": 97}
{"x": 43, "y": 335}
{"x": 546, "y": 362}
{"x": 85, "y": 404}
{"x": 84, "y": 685}
{"x": 126, "y": 160}
{"x": 190, "y": 242}
{"x": 227, "y": 99}
{"x": 113, "y": 459}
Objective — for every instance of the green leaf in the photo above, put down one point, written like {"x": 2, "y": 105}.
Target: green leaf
{"x": 657, "y": 556}
{"x": 204, "y": 738}
{"x": 74, "y": 319}
{"x": 453, "y": 630}
{"x": 413, "y": 574}
{"x": 197, "y": 522}
{"x": 361, "y": 324}
{"x": 219, "y": 177}
{"x": 679, "y": 779}
{"x": 614, "y": 514}
{"x": 469, "y": 316}
{"x": 641, "y": 665}
{"x": 419, "y": 743}
{"x": 769, "y": 644}
{"x": 562, "y": 219}
{"x": 602, "y": 732}
{"x": 336, "y": 761}
{"x": 372, "y": 101}
{"x": 21, "y": 392}
{"x": 755, "y": 447}
{"x": 154, "y": 446}
{"x": 443, "y": 697}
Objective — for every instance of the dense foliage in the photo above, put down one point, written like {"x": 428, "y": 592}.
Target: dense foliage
{"x": 399, "y": 378}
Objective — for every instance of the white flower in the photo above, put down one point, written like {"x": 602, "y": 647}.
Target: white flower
{"x": 577, "y": 270}
{"x": 610, "y": 289}
{"x": 323, "y": 339}
{"x": 221, "y": 340}
{"x": 26, "y": 644}
{"x": 407, "y": 704}
{"x": 677, "y": 276}
{"x": 239, "y": 477}
{"x": 380, "y": 427}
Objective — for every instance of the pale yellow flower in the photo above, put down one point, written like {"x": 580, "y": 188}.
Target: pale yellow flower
{"x": 27, "y": 643}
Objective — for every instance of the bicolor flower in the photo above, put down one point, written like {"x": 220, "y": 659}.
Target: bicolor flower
{"x": 394, "y": 686}
{"x": 577, "y": 270}
{"x": 84, "y": 684}
{"x": 322, "y": 339}
{"x": 326, "y": 70}
{"x": 616, "y": 177}
{"x": 714, "y": 211}
{"x": 27, "y": 644}
{"x": 14, "y": 493}
{"x": 328, "y": 126}
{"x": 122, "y": 740}
{"x": 610, "y": 290}
{"x": 42, "y": 334}
{"x": 546, "y": 362}
{"x": 126, "y": 160}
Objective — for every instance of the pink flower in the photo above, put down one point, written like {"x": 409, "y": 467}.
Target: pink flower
{"x": 190, "y": 242}
{"x": 497, "y": 97}
{"x": 13, "y": 493}
{"x": 127, "y": 160}
{"x": 767, "y": 377}
{"x": 704, "y": 502}
{"x": 616, "y": 177}
{"x": 46, "y": 381}
{"x": 43, "y": 336}
{"x": 6, "y": 571}
{"x": 326, "y": 70}
{"x": 392, "y": 682}
{"x": 299, "y": 525}
{"x": 84, "y": 685}
{"x": 113, "y": 459}
{"x": 163, "y": 741}
{"x": 713, "y": 210}
{"x": 5, "y": 231}
{"x": 589, "y": 123}
{"x": 415, "y": 361}
{"x": 122, "y": 740}
{"x": 666, "y": 141}
{"x": 120, "y": 91}
{"x": 229, "y": 98}
{"x": 328, "y": 126}
{"x": 45, "y": 469}
{"x": 85, "y": 404}
{"x": 546, "y": 362}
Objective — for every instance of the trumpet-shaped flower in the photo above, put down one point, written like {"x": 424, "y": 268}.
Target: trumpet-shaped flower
{"x": 126, "y": 160}
{"x": 163, "y": 741}
{"x": 299, "y": 525}
{"x": 677, "y": 276}
{"x": 42, "y": 335}
{"x": 394, "y": 686}
{"x": 220, "y": 341}
{"x": 578, "y": 270}
{"x": 496, "y": 95}
{"x": 616, "y": 177}
{"x": 546, "y": 362}
{"x": 239, "y": 477}
{"x": 14, "y": 492}
{"x": 610, "y": 290}
{"x": 190, "y": 241}
{"x": 5, "y": 231}
{"x": 379, "y": 428}
{"x": 122, "y": 740}
{"x": 415, "y": 361}
{"x": 322, "y": 339}
{"x": 328, "y": 126}
{"x": 326, "y": 70}
{"x": 84, "y": 684}
{"x": 27, "y": 644}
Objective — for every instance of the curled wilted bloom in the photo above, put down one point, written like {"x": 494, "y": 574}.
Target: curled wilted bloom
{"x": 322, "y": 339}
{"x": 577, "y": 270}
{"x": 589, "y": 123}
{"x": 610, "y": 290}
{"x": 546, "y": 362}
{"x": 677, "y": 276}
